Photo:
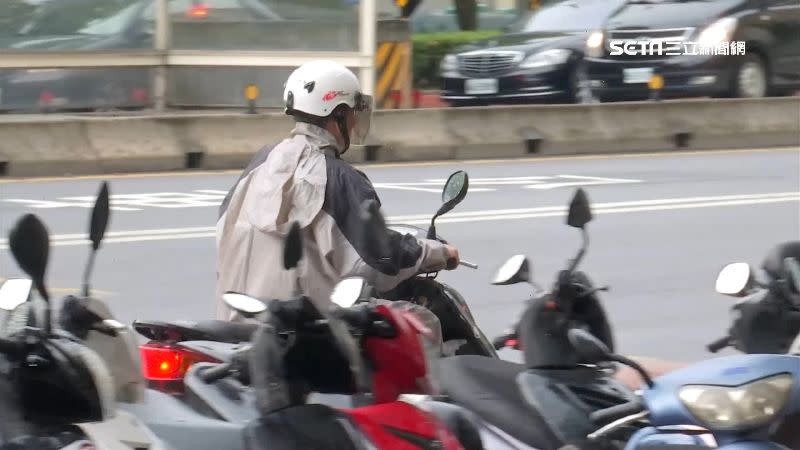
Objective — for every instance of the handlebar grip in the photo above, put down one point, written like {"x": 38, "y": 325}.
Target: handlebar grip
{"x": 616, "y": 412}
{"x": 217, "y": 373}
{"x": 719, "y": 344}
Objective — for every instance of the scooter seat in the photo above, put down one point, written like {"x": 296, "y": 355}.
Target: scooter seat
{"x": 313, "y": 427}
{"x": 203, "y": 330}
{"x": 488, "y": 387}
{"x": 228, "y": 332}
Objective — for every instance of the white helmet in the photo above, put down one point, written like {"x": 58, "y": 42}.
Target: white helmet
{"x": 316, "y": 88}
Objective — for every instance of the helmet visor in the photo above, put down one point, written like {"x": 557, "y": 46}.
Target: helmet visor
{"x": 363, "y": 118}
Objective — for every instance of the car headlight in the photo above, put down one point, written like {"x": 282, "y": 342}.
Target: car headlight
{"x": 449, "y": 63}
{"x": 747, "y": 406}
{"x": 546, "y": 58}
{"x": 594, "y": 44}
{"x": 718, "y": 32}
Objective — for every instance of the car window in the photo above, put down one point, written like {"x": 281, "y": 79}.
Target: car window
{"x": 75, "y": 17}
{"x": 568, "y": 15}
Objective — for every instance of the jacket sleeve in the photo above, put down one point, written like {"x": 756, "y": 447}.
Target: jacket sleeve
{"x": 347, "y": 190}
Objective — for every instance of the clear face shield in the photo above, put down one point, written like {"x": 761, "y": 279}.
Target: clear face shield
{"x": 363, "y": 117}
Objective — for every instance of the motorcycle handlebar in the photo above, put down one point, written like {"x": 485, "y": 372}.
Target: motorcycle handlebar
{"x": 719, "y": 344}
{"x": 216, "y": 373}
{"x": 617, "y": 412}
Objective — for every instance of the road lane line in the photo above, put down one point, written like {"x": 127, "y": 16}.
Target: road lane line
{"x": 113, "y": 237}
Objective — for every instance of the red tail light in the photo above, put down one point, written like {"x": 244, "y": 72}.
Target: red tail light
{"x": 164, "y": 365}
{"x": 512, "y": 343}
{"x": 198, "y": 11}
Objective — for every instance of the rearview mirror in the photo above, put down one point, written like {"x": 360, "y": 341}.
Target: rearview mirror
{"x": 15, "y": 292}
{"x": 348, "y": 291}
{"x": 580, "y": 213}
{"x": 30, "y": 245}
{"x": 100, "y": 214}
{"x": 591, "y": 349}
{"x": 735, "y": 279}
{"x": 514, "y": 270}
{"x": 244, "y": 304}
{"x": 292, "y": 247}
{"x": 455, "y": 190}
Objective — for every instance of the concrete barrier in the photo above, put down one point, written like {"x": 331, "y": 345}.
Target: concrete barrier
{"x": 55, "y": 145}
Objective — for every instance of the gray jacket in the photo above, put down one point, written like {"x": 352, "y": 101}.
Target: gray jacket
{"x": 302, "y": 179}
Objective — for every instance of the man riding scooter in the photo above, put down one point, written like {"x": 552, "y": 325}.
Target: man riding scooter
{"x": 304, "y": 179}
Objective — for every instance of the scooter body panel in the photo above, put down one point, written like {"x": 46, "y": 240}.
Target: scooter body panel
{"x": 183, "y": 427}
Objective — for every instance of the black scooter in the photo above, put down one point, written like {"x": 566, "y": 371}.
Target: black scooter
{"x": 57, "y": 391}
{"x": 546, "y": 402}
{"x": 767, "y": 315}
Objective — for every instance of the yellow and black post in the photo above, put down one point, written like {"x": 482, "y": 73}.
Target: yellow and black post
{"x": 655, "y": 84}
{"x": 251, "y": 94}
{"x": 393, "y": 64}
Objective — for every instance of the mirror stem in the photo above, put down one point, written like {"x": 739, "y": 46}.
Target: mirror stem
{"x": 637, "y": 367}
{"x": 432, "y": 229}
{"x": 87, "y": 272}
{"x": 581, "y": 252}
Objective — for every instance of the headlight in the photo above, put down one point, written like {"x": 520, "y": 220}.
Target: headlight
{"x": 546, "y": 58}
{"x": 728, "y": 408}
{"x": 449, "y": 63}
{"x": 717, "y": 33}
{"x": 594, "y": 44}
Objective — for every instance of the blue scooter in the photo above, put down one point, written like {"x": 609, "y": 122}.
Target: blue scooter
{"x": 740, "y": 400}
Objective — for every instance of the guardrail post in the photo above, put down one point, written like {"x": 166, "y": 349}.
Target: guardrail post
{"x": 162, "y": 44}
{"x": 393, "y": 63}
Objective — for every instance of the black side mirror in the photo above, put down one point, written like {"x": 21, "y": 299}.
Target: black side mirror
{"x": 580, "y": 213}
{"x": 454, "y": 192}
{"x": 515, "y": 270}
{"x": 591, "y": 349}
{"x": 455, "y": 189}
{"x": 292, "y": 247}
{"x": 100, "y": 215}
{"x": 97, "y": 229}
{"x": 30, "y": 244}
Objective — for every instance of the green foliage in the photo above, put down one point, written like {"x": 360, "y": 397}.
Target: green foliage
{"x": 430, "y": 48}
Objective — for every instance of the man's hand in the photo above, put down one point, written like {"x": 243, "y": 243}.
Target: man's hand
{"x": 453, "y": 257}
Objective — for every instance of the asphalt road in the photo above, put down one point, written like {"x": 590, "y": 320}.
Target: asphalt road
{"x": 664, "y": 226}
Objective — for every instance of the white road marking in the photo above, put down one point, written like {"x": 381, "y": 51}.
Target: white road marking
{"x": 666, "y": 204}
{"x": 199, "y": 198}
{"x": 526, "y": 182}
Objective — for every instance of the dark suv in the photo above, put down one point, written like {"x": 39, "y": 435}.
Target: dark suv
{"x": 767, "y": 64}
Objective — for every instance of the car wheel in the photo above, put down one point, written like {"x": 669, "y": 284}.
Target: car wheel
{"x": 750, "y": 78}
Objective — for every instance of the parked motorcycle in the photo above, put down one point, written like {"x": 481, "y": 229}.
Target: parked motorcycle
{"x": 173, "y": 347}
{"x": 766, "y": 319}
{"x": 60, "y": 392}
{"x": 739, "y": 399}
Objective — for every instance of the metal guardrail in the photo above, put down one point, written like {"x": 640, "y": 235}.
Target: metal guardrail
{"x": 163, "y": 56}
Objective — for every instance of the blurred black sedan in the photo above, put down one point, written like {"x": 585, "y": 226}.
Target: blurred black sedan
{"x": 104, "y": 25}
{"x": 540, "y": 60}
